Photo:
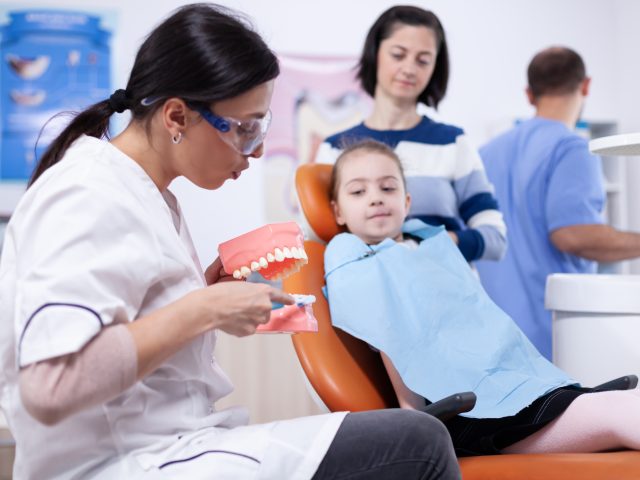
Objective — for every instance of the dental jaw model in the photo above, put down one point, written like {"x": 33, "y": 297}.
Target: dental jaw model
{"x": 275, "y": 251}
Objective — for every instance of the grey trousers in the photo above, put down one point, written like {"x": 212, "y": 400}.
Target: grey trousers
{"x": 390, "y": 444}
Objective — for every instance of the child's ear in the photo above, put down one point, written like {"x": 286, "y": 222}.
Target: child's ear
{"x": 336, "y": 213}
{"x": 407, "y": 204}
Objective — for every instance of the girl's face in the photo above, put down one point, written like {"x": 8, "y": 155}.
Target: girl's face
{"x": 406, "y": 61}
{"x": 371, "y": 199}
{"x": 206, "y": 158}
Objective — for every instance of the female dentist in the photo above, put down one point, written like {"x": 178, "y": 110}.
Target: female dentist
{"x": 108, "y": 325}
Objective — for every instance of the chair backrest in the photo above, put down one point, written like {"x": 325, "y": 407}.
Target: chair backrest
{"x": 344, "y": 371}
{"x": 312, "y": 185}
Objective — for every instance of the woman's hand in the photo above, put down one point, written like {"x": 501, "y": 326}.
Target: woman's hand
{"x": 453, "y": 236}
{"x": 215, "y": 273}
{"x": 233, "y": 307}
{"x": 237, "y": 308}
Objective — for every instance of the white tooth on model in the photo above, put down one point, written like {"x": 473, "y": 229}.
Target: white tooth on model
{"x": 287, "y": 252}
{"x": 245, "y": 271}
{"x": 255, "y": 266}
{"x": 237, "y": 275}
{"x": 263, "y": 262}
{"x": 279, "y": 255}
{"x": 270, "y": 257}
{"x": 303, "y": 254}
{"x": 295, "y": 252}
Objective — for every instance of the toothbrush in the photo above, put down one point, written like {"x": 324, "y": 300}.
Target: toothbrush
{"x": 300, "y": 301}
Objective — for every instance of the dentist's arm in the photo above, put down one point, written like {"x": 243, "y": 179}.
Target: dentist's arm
{"x": 601, "y": 243}
{"x": 119, "y": 355}
{"x": 236, "y": 308}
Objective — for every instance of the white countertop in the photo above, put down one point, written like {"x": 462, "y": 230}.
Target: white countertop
{"x": 627, "y": 144}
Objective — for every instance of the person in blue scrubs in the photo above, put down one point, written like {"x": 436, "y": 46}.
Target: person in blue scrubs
{"x": 551, "y": 192}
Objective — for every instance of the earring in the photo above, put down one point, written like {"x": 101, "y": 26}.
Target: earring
{"x": 176, "y": 139}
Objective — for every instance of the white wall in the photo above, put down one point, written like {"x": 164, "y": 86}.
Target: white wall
{"x": 491, "y": 42}
{"x": 627, "y": 75}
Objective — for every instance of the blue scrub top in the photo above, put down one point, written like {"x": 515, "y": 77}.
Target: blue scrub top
{"x": 545, "y": 178}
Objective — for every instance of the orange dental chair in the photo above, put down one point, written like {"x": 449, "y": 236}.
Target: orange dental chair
{"x": 348, "y": 375}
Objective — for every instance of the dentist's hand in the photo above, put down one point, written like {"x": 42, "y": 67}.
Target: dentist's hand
{"x": 233, "y": 307}
{"x": 237, "y": 308}
{"x": 215, "y": 273}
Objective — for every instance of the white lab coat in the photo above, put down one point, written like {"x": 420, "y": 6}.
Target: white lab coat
{"x": 92, "y": 243}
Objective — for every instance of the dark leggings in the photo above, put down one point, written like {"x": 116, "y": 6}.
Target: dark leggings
{"x": 390, "y": 444}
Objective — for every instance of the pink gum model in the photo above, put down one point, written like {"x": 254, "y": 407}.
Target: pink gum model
{"x": 275, "y": 251}
{"x": 290, "y": 319}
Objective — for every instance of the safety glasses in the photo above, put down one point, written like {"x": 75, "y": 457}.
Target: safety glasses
{"x": 245, "y": 136}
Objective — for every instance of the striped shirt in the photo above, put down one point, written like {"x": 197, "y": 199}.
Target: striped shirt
{"x": 446, "y": 180}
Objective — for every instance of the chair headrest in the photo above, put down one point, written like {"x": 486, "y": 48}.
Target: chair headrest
{"x": 312, "y": 185}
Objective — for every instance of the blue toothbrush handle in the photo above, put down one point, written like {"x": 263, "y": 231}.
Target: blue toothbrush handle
{"x": 300, "y": 301}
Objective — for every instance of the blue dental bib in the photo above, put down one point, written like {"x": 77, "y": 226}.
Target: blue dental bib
{"x": 426, "y": 310}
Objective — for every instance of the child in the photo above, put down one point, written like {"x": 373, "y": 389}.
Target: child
{"x": 406, "y": 290}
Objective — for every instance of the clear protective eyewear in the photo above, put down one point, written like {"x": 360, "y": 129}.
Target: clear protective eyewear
{"x": 245, "y": 136}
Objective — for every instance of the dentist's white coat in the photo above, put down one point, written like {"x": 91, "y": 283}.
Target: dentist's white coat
{"x": 92, "y": 243}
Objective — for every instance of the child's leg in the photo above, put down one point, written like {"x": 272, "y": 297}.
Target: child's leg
{"x": 593, "y": 422}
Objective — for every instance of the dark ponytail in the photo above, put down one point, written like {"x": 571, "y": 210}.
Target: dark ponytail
{"x": 202, "y": 53}
{"x": 94, "y": 122}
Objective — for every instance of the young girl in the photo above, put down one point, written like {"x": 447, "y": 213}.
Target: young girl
{"x": 108, "y": 325}
{"x": 405, "y": 61}
{"x": 406, "y": 290}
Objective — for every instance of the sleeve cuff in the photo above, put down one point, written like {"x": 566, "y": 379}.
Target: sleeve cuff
{"x": 56, "y": 329}
{"x": 471, "y": 244}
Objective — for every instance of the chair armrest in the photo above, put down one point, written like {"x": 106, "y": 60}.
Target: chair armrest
{"x": 451, "y": 406}
{"x": 623, "y": 383}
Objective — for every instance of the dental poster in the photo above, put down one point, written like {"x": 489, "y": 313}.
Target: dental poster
{"x": 51, "y": 61}
{"x": 314, "y": 97}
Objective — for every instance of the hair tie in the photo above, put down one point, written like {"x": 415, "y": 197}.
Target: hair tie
{"x": 119, "y": 101}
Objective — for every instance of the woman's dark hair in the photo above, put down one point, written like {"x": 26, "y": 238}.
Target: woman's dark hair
{"x": 555, "y": 71}
{"x": 367, "y": 145}
{"x": 202, "y": 53}
{"x": 383, "y": 28}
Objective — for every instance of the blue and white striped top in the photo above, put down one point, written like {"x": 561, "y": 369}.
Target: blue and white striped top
{"x": 446, "y": 180}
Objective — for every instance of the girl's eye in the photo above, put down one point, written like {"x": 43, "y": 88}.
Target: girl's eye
{"x": 389, "y": 189}
{"x": 356, "y": 192}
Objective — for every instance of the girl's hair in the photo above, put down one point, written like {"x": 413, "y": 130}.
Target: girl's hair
{"x": 383, "y": 28}
{"x": 202, "y": 53}
{"x": 366, "y": 146}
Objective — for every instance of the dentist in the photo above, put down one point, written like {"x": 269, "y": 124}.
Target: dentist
{"x": 108, "y": 322}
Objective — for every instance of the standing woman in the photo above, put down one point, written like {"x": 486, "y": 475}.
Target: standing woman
{"x": 108, "y": 322}
{"x": 405, "y": 62}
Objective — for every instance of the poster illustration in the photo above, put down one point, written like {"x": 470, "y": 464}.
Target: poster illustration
{"x": 313, "y": 98}
{"x": 50, "y": 61}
